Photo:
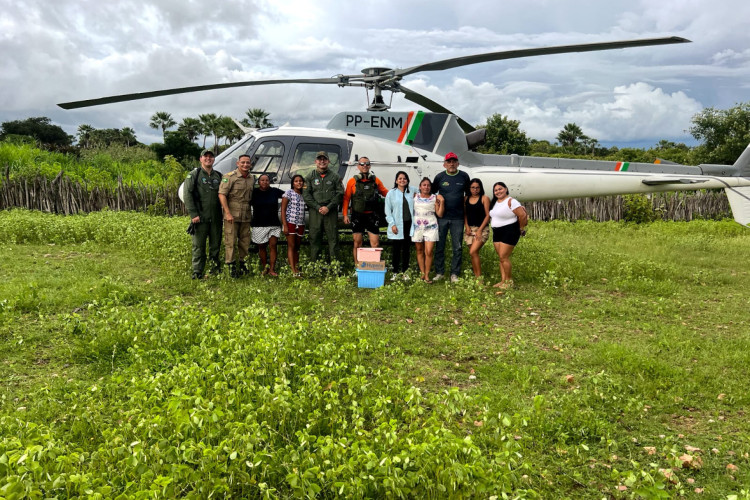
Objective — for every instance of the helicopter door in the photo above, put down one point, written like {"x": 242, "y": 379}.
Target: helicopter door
{"x": 268, "y": 159}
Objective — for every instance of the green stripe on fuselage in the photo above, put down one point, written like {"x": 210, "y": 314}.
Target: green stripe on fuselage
{"x": 415, "y": 127}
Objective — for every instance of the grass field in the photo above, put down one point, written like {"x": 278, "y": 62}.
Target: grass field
{"x": 617, "y": 368}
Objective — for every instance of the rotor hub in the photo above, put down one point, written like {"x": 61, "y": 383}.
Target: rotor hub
{"x": 376, "y": 71}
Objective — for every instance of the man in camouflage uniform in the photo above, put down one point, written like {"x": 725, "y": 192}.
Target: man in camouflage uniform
{"x": 323, "y": 193}
{"x": 235, "y": 192}
{"x": 202, "y": 203}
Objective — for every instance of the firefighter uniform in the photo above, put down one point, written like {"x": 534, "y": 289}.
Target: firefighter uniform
{"x": 239, "y": 191}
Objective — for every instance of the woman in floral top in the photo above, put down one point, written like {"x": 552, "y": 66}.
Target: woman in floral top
{"x": 427, "y": 208}
{"x": 293, "y": 220}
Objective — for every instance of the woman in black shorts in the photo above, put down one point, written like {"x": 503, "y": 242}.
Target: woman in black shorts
{"x": 508, "y": 219}
{"x": 476, "y": 223}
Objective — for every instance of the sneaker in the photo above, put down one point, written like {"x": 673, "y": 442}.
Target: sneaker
{"x": 394, "y": 276}
{"x": 406, "y": 277}
{"x": 454, "y": 278}
{"x": 438, "y": 277}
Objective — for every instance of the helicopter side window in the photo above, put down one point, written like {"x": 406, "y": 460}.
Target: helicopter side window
{"x": 304, "y": 157}
{"x": 267, "y": 158}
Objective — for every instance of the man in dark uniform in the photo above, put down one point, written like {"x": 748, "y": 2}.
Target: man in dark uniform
{"x": 235, "y": 193}
{"x": 323, "y": 193}
{"x": 202, "y": 203}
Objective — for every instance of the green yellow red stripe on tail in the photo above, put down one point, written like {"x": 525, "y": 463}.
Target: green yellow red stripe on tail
{"x": 406, "y": 127}
{"x": 411, "y": 126}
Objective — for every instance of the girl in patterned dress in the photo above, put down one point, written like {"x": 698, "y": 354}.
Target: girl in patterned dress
{"x": 293, "y": 221}
{"x": 427, "y": 208}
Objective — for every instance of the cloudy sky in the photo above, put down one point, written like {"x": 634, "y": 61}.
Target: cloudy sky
{"x": 64, "y": 50}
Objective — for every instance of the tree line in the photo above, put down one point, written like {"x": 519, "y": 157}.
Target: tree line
{"x": 209, "y": 124}
{"x": 180, "y": 143}
{"x": 723, "y": 135}
{"x": 48, "y": 135}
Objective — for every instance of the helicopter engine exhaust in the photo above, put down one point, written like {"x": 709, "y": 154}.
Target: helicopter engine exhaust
{"x": 476, "y": 138}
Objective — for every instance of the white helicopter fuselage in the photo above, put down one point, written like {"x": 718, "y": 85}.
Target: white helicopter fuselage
{"x": 416, "y": 143}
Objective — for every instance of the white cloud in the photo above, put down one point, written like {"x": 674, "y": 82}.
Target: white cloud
{"x": 56, "y": 51}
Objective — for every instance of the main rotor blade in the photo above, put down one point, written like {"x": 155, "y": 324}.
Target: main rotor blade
{"x": 428, "y": 103}
{"x": 560, "y": 49}
{"x": 185, "y": 90}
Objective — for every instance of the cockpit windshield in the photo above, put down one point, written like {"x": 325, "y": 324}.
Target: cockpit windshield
{"x": 227, "y": 160}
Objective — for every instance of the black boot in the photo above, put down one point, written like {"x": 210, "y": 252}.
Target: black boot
{"x": 241, "y": 268}
{"x": 215, "y": 269}
{"x": 233, "y": 270}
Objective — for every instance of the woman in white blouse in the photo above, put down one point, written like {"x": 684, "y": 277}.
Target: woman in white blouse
{"x": 508, "y": 220}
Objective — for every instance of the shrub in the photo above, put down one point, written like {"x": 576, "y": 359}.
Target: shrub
{"x": 637, "y": 208}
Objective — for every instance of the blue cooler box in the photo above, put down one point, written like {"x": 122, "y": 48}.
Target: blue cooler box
{"x": 370, "y": 279}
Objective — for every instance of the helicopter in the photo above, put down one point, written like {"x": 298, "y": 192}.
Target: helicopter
{"x": 417, "y": 141}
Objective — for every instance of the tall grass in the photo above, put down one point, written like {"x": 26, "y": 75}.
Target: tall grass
{"x": 614, "y": 369}
{"x": 103, "y": 169}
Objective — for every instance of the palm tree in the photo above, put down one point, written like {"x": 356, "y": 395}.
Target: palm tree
{"x": 208, "y": 124}
{"x": 257, "y": 118}
{"x": 128, "y": 134}
{"x": 84, "y": 134}
{"x": 570, "y": 135}
{"x": 162, "y": 120}
{"x": 589, "y": 144}
{"x": 191, "y": 127}
{"x": 236, "y": 134}
{"x": 228, "y": 129}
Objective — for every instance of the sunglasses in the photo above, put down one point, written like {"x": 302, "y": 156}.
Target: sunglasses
{"x": 321, "y": 158}
{"x": 364, "y": 163}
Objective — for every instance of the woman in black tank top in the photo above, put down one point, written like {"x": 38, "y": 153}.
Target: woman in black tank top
{"x": 476, "y": 223}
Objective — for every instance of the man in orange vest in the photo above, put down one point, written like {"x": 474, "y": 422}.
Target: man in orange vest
{"x": 364, "y": 191}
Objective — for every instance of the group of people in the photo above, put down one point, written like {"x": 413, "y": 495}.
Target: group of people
{"x": 452, "y": 204}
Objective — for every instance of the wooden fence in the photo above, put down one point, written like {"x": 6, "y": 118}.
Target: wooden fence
{"x": 679, "y": 206}
{"x": 62, "y": 196}
{"x": 65, "y": 197}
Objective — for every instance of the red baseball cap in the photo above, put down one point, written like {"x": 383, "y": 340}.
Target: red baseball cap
{"x": 451, "y": 156}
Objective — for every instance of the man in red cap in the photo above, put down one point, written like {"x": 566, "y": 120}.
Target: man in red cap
{"x": 453, "y": 185}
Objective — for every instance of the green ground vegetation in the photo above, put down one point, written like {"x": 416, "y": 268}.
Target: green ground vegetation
{"x": 99, "y": 168}
{"x": 616, "y": 368}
